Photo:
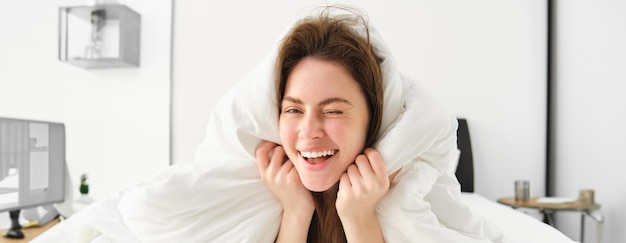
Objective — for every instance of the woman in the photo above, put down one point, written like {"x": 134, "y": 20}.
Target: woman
{"x": 329, "y": 88}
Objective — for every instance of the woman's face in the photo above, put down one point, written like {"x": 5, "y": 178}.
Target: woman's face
{"x": 323, "y": 121}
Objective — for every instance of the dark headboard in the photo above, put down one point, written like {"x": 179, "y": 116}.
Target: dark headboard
{"x": 465, "y": 169}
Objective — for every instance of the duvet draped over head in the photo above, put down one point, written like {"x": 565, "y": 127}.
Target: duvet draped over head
{"x": 221, "y": 198}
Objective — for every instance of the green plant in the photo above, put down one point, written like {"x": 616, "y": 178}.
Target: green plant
{"x": 84, "y": 187}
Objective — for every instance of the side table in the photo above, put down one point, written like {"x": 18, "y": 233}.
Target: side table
{"x": 548, "y": 209}
{"x": 29, "y": 232}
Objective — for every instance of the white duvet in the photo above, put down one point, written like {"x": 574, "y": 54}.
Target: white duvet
{"x": 221, "y": 198}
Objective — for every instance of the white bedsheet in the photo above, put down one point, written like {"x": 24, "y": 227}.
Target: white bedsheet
{"x": 516, "y": 225}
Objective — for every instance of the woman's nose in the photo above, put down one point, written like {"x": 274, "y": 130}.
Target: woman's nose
{"x": 311, "y": 127}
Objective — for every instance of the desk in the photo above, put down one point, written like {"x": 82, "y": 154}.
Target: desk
{"x": 548, "y": 209}
{"x": 29, "y": 233}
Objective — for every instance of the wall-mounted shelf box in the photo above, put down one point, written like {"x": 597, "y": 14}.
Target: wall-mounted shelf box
{"x": 99, "y": 36}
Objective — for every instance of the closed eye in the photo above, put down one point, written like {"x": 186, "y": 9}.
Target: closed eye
{"x": 333, "y": 112}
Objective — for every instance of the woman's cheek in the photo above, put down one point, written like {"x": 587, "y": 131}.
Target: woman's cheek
{"x": 288, "y": 136}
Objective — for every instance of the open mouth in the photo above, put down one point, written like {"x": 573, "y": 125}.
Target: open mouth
{"x": 317, "y": 157}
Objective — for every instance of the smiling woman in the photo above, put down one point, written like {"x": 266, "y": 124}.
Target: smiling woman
{"x": 329, "y": 88}
{"x": 323, "y": 124}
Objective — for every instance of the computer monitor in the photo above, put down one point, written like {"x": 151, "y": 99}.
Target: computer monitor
{"x": 32, "y": 163}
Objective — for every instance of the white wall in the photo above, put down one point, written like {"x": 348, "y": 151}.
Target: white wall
{"x": 486, "y": 59}
{"x": 117, "y": 120}
{"x": 591, "y": 111}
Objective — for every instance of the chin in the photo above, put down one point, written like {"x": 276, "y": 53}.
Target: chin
{"x": 318, "y": 186}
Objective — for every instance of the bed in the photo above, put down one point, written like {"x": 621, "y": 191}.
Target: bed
{"x": 517, "y": 226}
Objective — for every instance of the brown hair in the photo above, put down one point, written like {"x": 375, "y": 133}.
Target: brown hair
{"x": 335, "y": 38}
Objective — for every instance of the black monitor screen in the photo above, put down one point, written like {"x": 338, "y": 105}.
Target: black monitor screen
{"x": 32, "y": 163}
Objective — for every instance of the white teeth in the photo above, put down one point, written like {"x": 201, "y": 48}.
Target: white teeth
{"x": 313, "y": 155}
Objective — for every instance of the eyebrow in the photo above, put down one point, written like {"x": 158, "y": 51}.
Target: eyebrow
{"x": 322, "y": 103}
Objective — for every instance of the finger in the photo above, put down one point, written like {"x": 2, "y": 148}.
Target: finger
{"x": 286, "y": 168}
{"x": 376, "y": 162}
{"x": 294, "y": 172}
{"x": 277, "y": 158}
{"x": 344, "y": 182}
{"x": 262, "y": 154}
{"x": 294, "y": 176}
{"x": 363, "y": 164}
{"x": 353, "y": 175}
